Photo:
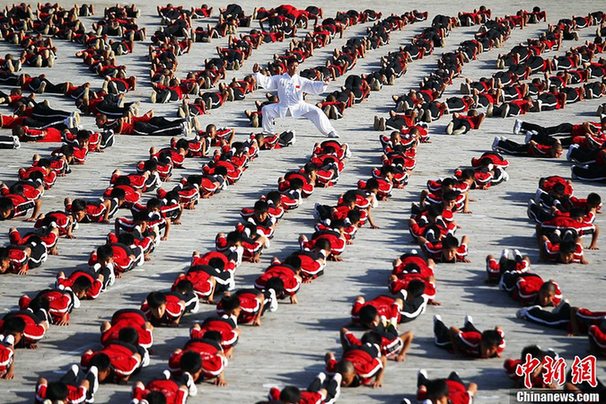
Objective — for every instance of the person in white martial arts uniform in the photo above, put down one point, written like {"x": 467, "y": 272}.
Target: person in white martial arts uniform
{"x": 290, "y": 87}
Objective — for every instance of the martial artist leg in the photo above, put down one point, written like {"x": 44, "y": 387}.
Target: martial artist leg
{"x": 319, "y": 119}
{"x": 270, "y": 112}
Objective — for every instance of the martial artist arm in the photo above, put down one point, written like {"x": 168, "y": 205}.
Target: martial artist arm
{"x": 313, "y": 86}
{"x": 267, "y": 82}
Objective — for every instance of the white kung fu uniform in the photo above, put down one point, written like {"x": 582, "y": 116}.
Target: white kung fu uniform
{"x": 290, "y": 95}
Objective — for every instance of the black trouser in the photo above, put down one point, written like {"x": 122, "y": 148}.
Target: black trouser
{"x": 461, "y": 123}
{"x": 34, "y": 85}
{"x": 46, "y": 114}
{"x": 159, "y": 126}
{"x": 38, "y": 252}
{"x": 510, "y": 147}
{"x": 590, "y": 172}
{"x": 563, "y": 129}
{"x": 422, "y": 380}
{"x": 112, "y": 110}
{"x": 557, "y": 318}
{"x": 442, "y": 333}
{"x": 7, "y": 142}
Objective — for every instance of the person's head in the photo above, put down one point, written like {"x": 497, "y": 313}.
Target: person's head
{"x": 182, "y": 146}
{"x": 81, "y": 286}
{"x": 129, "y": 335}
{"x": 14, "y": 326}
{"x": 211, "y": 130}
{"x": 557, "y": 149}
{"x": 290, "y": 395}
{"x": 78, "y": 209}
{"x": 277, "y": 285}
{"x": 369, "y": 316}
{"x": 594, "y": 201}
{"x": 372, "y": 185}
{"x": 323, "y": 245}
{"x": 191, "y": 363}
{"x": 221, "y": 170}
{"x": 437, "y": 391}
{"x": 234, "y": 238}
{"x": 184, "y": 287}
{"x": 347, "y": 371}
{"x": 6, "y": 208}
{"x": 354, "y": 216}
{"x": 296, "y": 184}
{"x": 231, "y": 305}
{"x": 415, "y": 289}
{"x": 100, "y": 119}
{"x": 150, "y": 166}
{"x": 119, "y": 194}
{"x": 567, "y": 250}
{"x": 448, "y": 184}
{"x": 157, "y": 303}
{"x": 292, "y": 67}
{"x": 18, "y": 131}
{"x": 155, "y": 397}
{"x": 294, "y": 262}
{"x": 489, "y": 344}
{"x": 558, "y": 189}
{"x": 450, "y": 244}
{"x": 468, "y": 175}
{"x": 546, "y": 294}
{"x": 57, "y": 392}
{"x": 153, "y": 205}
{"x": 349, "y": 199}
{"x": 5, "y": 261}
{"x": 103, "y": 364}
{"x": 216, "y": 263}
{"x": 261, "y": 209}
{"x": 274, "y": 198}
{"x": 214, "y": 336}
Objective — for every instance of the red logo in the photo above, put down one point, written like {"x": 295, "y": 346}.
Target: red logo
{"x": 554, "y": 370}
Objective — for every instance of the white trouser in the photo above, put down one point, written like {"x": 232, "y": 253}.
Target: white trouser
{"x": 271, "y": 111}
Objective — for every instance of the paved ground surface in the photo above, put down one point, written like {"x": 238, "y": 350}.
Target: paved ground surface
{"x": 289, "y": 347}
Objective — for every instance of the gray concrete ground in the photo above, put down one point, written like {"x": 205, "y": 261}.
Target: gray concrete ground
{"x": 289, "y": 347}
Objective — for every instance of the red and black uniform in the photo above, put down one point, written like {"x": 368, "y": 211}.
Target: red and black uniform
{"x": 366, "y": 360}
{"x": 34, "y": 329}
{"x": 225, "y": 325}
{"x": 211, "y": 353}
{"x": 60, "y": 301}
{"x": 292, "y": 283}
{"x": 92, "y": 293}
{"x": 128, "y": 318}
{"x": 122, "y": 358}
{"x": 175, "y": 308}
{"x": 524, "y": 287}
{"x": 170, "y": 389}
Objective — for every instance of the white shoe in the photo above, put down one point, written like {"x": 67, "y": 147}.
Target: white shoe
{"x": 273, "y": 301}
{"x": 436, "y": 318}
{"x": 504, "y": 175}
{"x": 333, "y": 135}
{"x": 517, "y": 126}
{"x": 468, "y": 319}
{"x": 348, "y": 152}
{"x": 529, "y": 135}
{"x": 294, "y": 137}
{"x": 75, "y": 369}
{"x": 145, "y": 360}
{"x": 523, "y": 312}
{"x": 571, "y": 148}
{"x": 507, "y": 254}
{"x": 95, "y": 372}
{"x": 16, "y": 142}
{"x": 495, "y": 143}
